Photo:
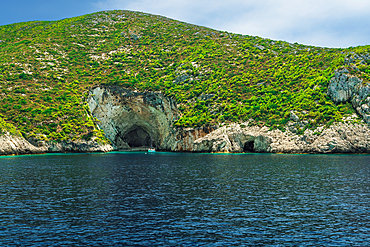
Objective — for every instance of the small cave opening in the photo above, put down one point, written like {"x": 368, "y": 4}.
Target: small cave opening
{"x": 138, "y": 138}
{"x": 249, "y": 146}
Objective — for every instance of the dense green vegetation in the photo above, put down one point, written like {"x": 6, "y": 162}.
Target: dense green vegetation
{"x": 46, "y": 68}
{"x": 8, "y": 128}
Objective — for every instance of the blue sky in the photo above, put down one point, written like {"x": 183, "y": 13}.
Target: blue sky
{"x": 330, "y": 23}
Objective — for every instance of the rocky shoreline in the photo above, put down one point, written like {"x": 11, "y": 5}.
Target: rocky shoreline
{"x": 15, "y": 145}
{"x": 133, "y": 119}
{"x": 338, "y": 138}
{"x": 343, "y": 137}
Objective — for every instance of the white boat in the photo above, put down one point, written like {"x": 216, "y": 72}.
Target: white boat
{"x": 151, "y": 149}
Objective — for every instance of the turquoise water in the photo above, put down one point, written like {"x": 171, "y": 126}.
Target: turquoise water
{"x": 168, "y": 199}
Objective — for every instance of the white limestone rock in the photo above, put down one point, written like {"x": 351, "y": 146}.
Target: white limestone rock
{"x": 344, "y": 87}
{"x": 124, "y": 115}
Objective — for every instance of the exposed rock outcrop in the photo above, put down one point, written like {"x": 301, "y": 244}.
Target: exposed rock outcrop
{"x": 134, "y": 119}
{"x": 186, "y": 137}
{"x": 227, "y": 139}
{"x": 78, "y": 146}
{"x": 13, "y": 144}
{"x": 345, "y": 87}
{"x": 339, "y": 138}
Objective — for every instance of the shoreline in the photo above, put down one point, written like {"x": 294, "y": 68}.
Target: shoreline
{"x": 174, "y": 152}
{"x": 339, "y": 138}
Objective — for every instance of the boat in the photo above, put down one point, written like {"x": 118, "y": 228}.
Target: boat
{"x": 151, "y": 149}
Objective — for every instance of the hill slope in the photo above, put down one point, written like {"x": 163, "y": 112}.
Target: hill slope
{"x": 46, "y": 69}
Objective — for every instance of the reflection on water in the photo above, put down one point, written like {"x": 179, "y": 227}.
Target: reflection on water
{"x": 185, "y": 199}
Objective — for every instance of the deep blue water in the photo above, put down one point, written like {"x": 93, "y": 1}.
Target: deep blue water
{"x": 168, "y": 199}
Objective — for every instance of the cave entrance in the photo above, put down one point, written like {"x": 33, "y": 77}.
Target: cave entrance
{"x": 138, "y": 138}
{"x": 249, "y": 146}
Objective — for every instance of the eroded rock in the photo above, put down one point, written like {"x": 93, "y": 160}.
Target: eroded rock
{"x": 13, "y": 144}
{"x": 338, "y": 138}
{"x": 293, "y": 117}
{"x": 344, "y": 87}
{"x": 134, "y": 119}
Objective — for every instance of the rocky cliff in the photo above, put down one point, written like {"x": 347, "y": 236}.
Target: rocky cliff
{"x": 12, "y": 144}
{"x": 185, "y": 138}
{"x": 346, "y": 87}
{"x": 132, "y": 119}
{"x": 343, "y": 137}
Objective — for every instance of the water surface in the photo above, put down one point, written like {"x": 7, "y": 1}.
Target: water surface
{"x": 168, "y": 199}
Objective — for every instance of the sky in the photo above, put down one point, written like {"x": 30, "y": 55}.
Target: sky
{"x": 328, "y": 23}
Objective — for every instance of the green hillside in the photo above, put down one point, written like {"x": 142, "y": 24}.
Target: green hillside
{"x": 46, "y": 69}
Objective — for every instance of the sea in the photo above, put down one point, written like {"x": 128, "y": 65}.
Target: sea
{"x": 184, "y": 199}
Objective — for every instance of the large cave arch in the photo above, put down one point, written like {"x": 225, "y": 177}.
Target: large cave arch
{"x": 134, "y": 120}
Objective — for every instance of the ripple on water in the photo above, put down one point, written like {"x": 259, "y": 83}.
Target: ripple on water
{"x": 185, "y": 199}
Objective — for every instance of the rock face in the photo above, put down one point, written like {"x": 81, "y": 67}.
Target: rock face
{"x": 345, "y": 87}
{"x": 185, "y": 138}
{"x": 339, "y": 138}
{"x": 12, "y": 144}
{"x": 134, "y": 120}
{"x": 78, "y": 146}
{"x": 227, "y": 139}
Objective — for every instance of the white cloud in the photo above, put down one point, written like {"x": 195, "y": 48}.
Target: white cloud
{"x": 333, "y": 23}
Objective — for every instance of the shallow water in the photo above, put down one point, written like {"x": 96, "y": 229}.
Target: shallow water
{"x": 185, "y": 200}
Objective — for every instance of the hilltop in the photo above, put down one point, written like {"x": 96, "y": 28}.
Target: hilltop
{"x": 216, "y": 78}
